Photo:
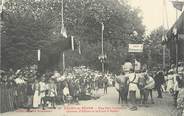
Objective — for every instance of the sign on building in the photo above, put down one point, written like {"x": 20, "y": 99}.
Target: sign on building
{"x": 135, "y": 48}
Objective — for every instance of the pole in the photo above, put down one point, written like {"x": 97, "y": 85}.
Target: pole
{"x": 169, "y": 54}
{"x": 164, "y": 36}
{"x": 63, "y": 61}
{"x": 102, "y": 38}
{"x": 149, "y": 57}
{"x": 79, "y": 48}
{"x": 164, "y": 47}
{"x": 39, "y": 58}
{"x": 176, "y": 43}
{"x": 2, "y": 3}
{"x": 102, "y": 48}
{"x": 62, "y": 15}
{"x": 72, "y": 43}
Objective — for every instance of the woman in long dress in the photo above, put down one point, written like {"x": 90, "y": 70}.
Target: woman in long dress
{"x": 170, "y": 82}
{"x": 36, "y": 97}
{"x": 52, "y": 91}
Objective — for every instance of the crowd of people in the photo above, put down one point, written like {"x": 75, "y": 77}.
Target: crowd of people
{"x": 175, "y": 86}
{"x": 24, "y": 88}
{"x": 137, "y": 85}
{"x": 28, "y": 90}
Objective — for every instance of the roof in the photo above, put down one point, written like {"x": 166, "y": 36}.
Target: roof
{"x": 179, "y": 25}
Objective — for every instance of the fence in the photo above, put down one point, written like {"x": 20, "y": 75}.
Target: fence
{"x": 11, "y": 97}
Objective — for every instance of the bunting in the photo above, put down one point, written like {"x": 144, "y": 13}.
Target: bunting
{"x": 72, "y": 43}
{"x": 79, "y": 48}
{"x": 39, "y": 54}
{"x": 2, "y": 5}
{"x": 178, "y": 5}
{"x": 63, "y": 31}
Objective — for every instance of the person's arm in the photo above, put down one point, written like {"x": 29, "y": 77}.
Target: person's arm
{"x": 175, "y": 86}
{"x": 128, "y": 81}
{"x": 55, "y": 90}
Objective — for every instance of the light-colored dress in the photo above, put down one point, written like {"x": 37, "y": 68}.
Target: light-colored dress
{"x": 170, "y": 82}
{"x": 43, "y": 88}
{"x": 66, "y": 91}
{"x": 133, "y": 83}
{"x": 52, "y": 90}
{"x": 36, "y": 97}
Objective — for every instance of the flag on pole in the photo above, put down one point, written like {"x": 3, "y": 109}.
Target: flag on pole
{"x": 63, "y": 61}
{"x": 72, "y": 43}
{"x": 63, "y": 31}
{"x": 39, "y": 54}
{"x": 164, "y": 39}
{"x": 178, "y": 5}
{"x": 79, "y": 48}
{"x": 102, "y": 26}
{"x": 2, "y": 5}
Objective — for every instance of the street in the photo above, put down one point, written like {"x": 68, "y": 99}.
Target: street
{"x": 107, "y": 104}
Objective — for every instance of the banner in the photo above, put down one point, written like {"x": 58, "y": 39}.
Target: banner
{"x": 39, "y": 54}
{"x": 72, "y": 43}
{"x": 135, "y": 48}
{"x": 178, "y": 5}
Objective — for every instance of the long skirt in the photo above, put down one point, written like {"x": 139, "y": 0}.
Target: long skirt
{"x": 36, "y": 99}
{"x": 170, "y": 85}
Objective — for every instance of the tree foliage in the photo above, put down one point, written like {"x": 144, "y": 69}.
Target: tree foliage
{"x": 29, "y": 25}
{"x": 154, "y": 48}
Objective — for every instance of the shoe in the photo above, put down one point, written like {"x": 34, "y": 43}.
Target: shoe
{"x": 159, "y": 97}
{"x": 133, "y": 108}
{"x": 146, "y": 105}
{"x": 152, "y": 102}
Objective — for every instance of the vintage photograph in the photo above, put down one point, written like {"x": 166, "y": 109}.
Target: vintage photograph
{"x": 92, "y": 58}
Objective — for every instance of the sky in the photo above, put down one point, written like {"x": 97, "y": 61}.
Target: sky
{"x": 154, "y": 13}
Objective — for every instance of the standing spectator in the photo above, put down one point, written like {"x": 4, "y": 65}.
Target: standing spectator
{"x": 71, "y": 87}
{"x": 150, "y": 84}
{"x": 36, "y": 97}
{"x": 170, "y": 81}
{"x": 52, "y": 92}
{"x": 180, "y": 98}
{"x": 123, "y": 88}
{"x": 66, "y": 93}
{"x": 83, "y": 87}
{"x": 42, "y": 88}
{"x": 113, "y": 82}
{"x": 133, "y": 80}
{"x": 76, "y": 91}
{"x": 105, "y": 85}
{"x": 151, "y": 89}
{"x": 30, "y": 94}
{"x": 10, "y": 94}
{"x": 60, "y": 86}
{"x": 177, "y": 85}
{"x": 159, "y": 81}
